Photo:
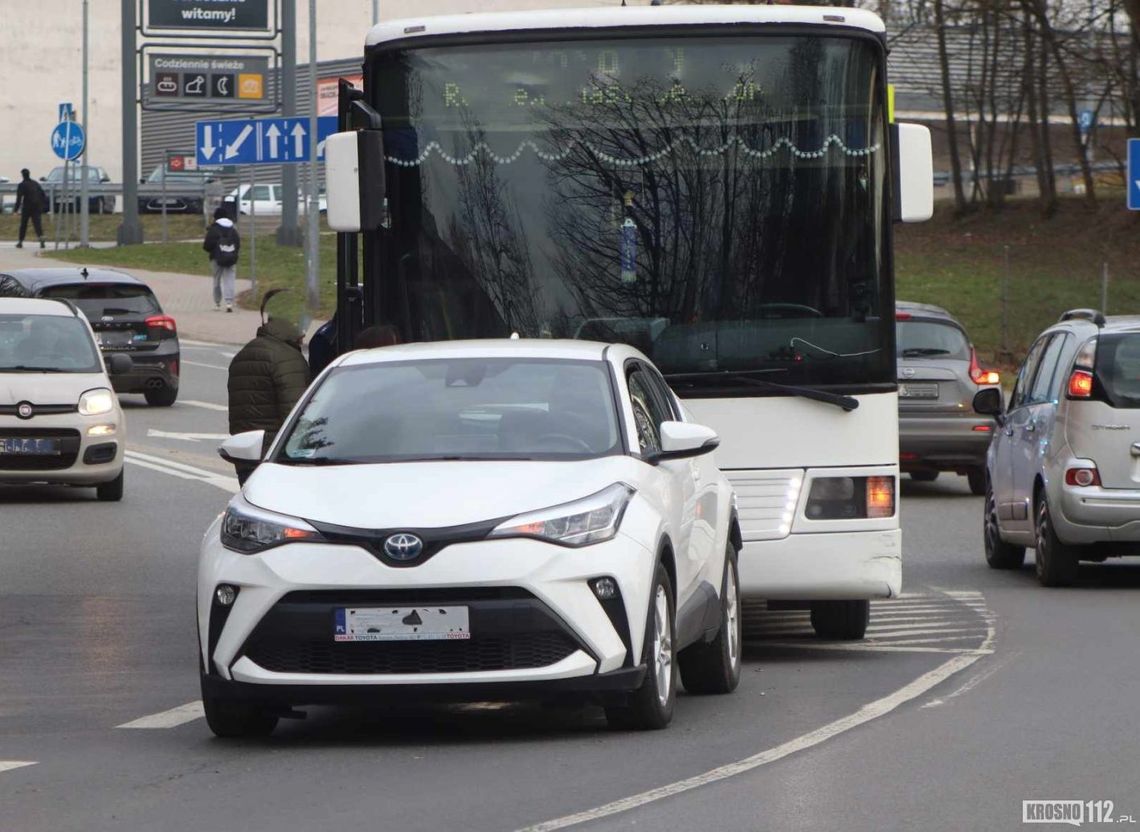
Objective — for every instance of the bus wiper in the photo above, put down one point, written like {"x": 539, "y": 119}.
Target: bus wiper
{"x": 848, "y": 403}
{"x": 914, "y": 352}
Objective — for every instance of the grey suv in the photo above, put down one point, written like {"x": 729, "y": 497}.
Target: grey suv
{"x": 938, "y": 377}
{"x": 1063, "y": 472}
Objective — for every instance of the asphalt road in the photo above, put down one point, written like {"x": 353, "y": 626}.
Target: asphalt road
{"x": 975, "y": 690}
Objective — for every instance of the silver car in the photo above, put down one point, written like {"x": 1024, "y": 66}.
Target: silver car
{"x": 938, "y": 377}
{"x": 1063, "y": 472}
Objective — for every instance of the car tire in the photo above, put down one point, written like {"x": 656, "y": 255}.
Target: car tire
{"x": 841, "y": 620}
{"x": 999, "y": 554}
{"x": 97, "y": 207}
{"x": 230, "y": 719}
{"x": 1057, "y": 562}
{"x": 714, "y": 666}
{"x": 161, "y": 396}
{"x": 650, "y": 707}
{"x": 110, "y": 492}
{"x": 976, "y": 477}
{"x": 924, "y": 476}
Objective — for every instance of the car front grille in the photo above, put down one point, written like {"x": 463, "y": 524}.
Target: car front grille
{"x": 507, "y": 652}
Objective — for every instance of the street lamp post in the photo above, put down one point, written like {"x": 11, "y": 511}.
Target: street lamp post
{"x": 313, "y": 288}
{"x": 84, "y": 205}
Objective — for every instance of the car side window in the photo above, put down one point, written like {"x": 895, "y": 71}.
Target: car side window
{"x": 1046, "y": 385}
{"x": 647, "y": 414}
{"x": 11, "y": 288}
{"x": 665, "y": 398}
{"x": 1025, "y": 375}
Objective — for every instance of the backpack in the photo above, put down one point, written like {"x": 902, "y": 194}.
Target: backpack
{"x": 225, "y": 252}
{"x": 37, "y": 200}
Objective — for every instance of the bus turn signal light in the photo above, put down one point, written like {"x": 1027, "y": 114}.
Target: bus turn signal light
{"x": 1080, "y": 384}
{"x": 880, "y": 496}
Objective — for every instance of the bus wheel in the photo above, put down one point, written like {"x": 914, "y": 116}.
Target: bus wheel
{"x": 840, "y": 620}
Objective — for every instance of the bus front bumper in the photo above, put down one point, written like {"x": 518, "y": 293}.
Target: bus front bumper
{"x": 835, "y": 566}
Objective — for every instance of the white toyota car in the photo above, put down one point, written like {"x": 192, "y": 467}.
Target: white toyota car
{"x": 473, "y": 520}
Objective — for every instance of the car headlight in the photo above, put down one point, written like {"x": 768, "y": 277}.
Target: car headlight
{"x": 248, "y": 532}
{"x": 97, "y": 402}
{"x": 580, "y": 523}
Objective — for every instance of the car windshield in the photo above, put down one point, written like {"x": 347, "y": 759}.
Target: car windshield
{"x": 177, "y": 177}
{"x": 471, "y": 408}
{"x": 97, "y": 300}
{"x": 56, "y": 174}
{"x": 46, "y": 343}
{"x": 931, "y": 339}
{"x": 1118, "y": 368}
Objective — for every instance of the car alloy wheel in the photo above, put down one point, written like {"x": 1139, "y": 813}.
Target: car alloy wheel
{"x": 732, "y": 618}
{"x": 662, "y": 647}
{"x": 1057, "y": 564}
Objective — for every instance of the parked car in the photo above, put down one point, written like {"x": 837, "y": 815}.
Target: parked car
{"x": 53, "y": 185}
{"x": 938, "y": 377}
{"x": 8, "y": 200}
{"x": 1063, "y": 473}
{"x": 126, "y": 317}
{"x": 470, "y": 519}
{"x": 265, "y": 200}
{"x": 185, "y": 191}
{"x": 60, "y": 422}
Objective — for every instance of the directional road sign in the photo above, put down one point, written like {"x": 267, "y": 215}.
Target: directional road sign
{"x": 264, "y": 141}
{"x": 1134, "y": 174}
{"x": 67, "y": 140}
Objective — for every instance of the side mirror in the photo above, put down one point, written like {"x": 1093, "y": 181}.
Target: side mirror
{"x": 355, "y": 186}
{"x": 989, "y": 402}
{"x": 119, "y": 364}
{"x": 915, "y": 173}
{"x": 243, "y": 447}
{"x": 682, "y": 440}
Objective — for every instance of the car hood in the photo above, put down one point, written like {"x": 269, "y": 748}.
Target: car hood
{"x": 422, "y": 495}
{"x": 48, "y": 388}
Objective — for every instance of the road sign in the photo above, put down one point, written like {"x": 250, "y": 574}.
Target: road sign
{"x": 66, "y": 111}
{"x": 1085, "y": 120}
{"x": 1134, "y": 174}
{"x": 265, "y": 141}
{"x": 67, "y": 140}
{"x": 179, "y": 77}
{"x": 208, "y": 14}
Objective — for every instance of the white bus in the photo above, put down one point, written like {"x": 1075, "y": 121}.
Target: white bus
{"x": 715, "y": 185}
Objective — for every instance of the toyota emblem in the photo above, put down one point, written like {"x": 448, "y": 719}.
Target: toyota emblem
{"x": 403, "y": 546}
{"x": 25, "y": 410}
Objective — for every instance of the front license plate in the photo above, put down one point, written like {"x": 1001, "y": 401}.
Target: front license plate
{"x": 401, "y": 624}
{"x": 19, "y": 446}
{"x": 918, "y": 391}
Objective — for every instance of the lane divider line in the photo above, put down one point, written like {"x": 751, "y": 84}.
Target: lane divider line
{"x": 11, "y": 765}
{"x": 182, "y": 471}
{"x": 204, "y": 405}
{"x": 204, "y": 364}
{"x": 867, "y": 713}
{"x": 168, "y": 719}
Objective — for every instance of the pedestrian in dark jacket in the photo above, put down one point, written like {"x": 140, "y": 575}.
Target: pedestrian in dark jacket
{"x": 31, "y": 202}
{"x": 267, "y": 377}
{"x": 223, "y": 245}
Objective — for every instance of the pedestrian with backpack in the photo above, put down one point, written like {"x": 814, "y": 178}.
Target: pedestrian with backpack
{"x": 31, "y": 202}
{"x": 222, "y": 244}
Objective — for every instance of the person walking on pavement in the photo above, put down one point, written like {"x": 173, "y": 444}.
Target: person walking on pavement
{"x": 31, "y": 202}
{"x": 223, "y": 244}
{"x": 266, "y": 378}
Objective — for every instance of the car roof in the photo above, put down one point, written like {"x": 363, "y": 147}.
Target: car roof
{"x": 927, "y": 309}
{"x": 565, "y": 350}
{"x": 36, "y": 306}
{"x": 36, "y": 279}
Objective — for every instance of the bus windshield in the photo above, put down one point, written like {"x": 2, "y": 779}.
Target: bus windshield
{"x": 718, "y": 202}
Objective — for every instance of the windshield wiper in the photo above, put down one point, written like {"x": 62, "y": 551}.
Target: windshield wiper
{"x": 848, "y": 403}
{"x": 24, "y": 368}
{"x": 915, "y": 352}
{"x": 318, "y": 460}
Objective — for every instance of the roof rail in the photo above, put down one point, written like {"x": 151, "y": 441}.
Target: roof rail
{"x": 1094, "y": 315}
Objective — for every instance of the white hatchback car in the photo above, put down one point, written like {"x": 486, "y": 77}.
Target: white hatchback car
{"x": 60, "y": 421}
{"x": 473, "y": 520}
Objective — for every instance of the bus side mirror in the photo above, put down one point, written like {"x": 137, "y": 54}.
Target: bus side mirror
{"x": 915, "y": 173}
{"x": 354, "y": 180}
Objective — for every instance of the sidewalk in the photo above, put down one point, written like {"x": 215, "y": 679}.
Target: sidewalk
{"x": 187, "y": 298}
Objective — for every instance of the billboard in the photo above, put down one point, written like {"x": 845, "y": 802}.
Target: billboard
{"x": 328, "y": 90}
{"x": 218, "y": 15}
{"x": 215, "y": 77}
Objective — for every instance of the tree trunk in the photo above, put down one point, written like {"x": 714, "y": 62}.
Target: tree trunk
{"x": 948, "y": 104}
{"x": 1047, "y": 198}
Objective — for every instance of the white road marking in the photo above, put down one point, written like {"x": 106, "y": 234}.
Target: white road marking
{"x": 870, "y": 711}
{"x": 168, "y": 719}
{"x": 187, "y": 437}
{"x": 934, "y": 631}
{"x": 186, "y": 472}
{"x": 202, "y": 364}
{"x": 871, "y": 647}
{"x": 894, "y": 627}
{"x": 204, "y": 405}
{"x": 9, "y": 765}
{"x": 208, "y": 344}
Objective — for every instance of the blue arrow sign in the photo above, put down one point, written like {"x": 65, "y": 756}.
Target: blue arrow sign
{"x": 263, "y": 141}
{"x": 1134, "y": 174}
{"x": 68, "y": 140}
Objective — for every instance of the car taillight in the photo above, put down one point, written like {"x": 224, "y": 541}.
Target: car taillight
{"x": 1080, "y": 384}
{"x": 162, "y": 323}
{"x": 880, "y": 496}
{"x": 1082, "y": 476}
{"x": 980, "y": 376}
{"x": 902, "y": 316}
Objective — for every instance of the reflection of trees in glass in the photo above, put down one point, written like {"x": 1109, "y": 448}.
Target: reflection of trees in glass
{"x": 309, "y": 435}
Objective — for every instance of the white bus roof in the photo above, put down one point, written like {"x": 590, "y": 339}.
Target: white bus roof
{"x": 617, "y": 16}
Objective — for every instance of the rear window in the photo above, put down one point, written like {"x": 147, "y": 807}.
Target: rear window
{"x": 1118, "y": 368}
{"x": 97, "y": 300}
{"x": 930, "y": 339}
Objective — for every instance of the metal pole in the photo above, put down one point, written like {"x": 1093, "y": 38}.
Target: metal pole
{"x": 375, "y": 11}
{"x": 1005, "y": 305}
{"x": 252, "y": 227}
{"x": 1104, "y": 288}
{"x": 288, "y": 232}
{"x": 84, "y": 208}
{"x": 165, "y": 168}
{"x": 130, "y": 231}
{"x": 314, "y": 206}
